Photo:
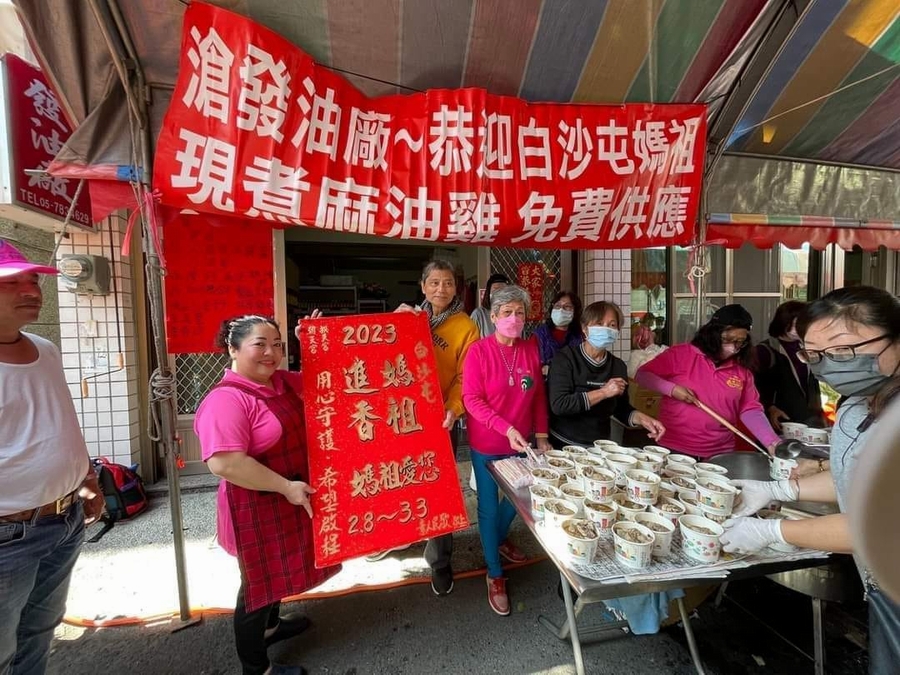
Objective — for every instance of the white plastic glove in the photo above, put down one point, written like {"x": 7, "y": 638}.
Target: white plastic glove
{"x": 757, "y": 494}
{"x": 749, "y": 535}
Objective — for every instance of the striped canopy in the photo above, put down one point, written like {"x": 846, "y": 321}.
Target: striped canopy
{"x": 831, "y": 93}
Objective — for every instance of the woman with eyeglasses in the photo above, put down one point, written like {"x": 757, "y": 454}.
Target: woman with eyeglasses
{"x": 851, "y": 341}
{"x": 589, "y": 385}
{"x": 561, "y": 329}
{"x": 715, "y": 369}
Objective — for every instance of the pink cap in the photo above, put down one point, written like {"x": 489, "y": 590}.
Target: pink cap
{"x": 13, "y": 262}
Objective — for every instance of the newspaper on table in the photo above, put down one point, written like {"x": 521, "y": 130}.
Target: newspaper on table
{"x": 677, "y": 565}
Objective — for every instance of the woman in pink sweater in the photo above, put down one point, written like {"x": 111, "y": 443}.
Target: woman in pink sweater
{"x": 504, "y": 397}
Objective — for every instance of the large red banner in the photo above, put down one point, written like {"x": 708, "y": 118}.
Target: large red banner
{"x": 37, "y": 129}
{"x": 379, "y": 458}
{"x": 256, "y": 128}
{"x": 214, "y": 272}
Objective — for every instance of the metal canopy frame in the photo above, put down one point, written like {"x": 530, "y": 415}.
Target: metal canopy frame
{"x": 128, "y": 68}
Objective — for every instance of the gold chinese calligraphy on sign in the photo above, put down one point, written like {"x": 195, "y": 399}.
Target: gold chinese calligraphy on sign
{"x": 379, "y": 456}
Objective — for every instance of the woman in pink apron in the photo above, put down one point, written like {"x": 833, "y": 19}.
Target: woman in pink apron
{"x": 252, "y": 432}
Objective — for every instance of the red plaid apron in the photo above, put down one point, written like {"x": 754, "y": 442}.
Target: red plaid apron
{"x": 274, "y": 538}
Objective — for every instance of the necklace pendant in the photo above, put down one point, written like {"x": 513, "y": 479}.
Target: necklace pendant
{"x": 512, "y": 382}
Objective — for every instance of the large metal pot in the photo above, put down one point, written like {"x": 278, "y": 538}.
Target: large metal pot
{"x": 836, "y": 581}
{"x": 743, "y": 465}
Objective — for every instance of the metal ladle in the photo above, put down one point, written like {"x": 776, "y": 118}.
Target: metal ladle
{"x": 733, "y": 429}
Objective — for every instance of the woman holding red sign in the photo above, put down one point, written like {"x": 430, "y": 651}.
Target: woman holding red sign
{"x": 504, "y": 395}
{"x": 252, "y": 433}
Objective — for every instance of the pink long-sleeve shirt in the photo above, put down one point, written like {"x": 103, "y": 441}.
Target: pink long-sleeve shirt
{"x": 727, "y": 388}
{"x": 492, "y": 404}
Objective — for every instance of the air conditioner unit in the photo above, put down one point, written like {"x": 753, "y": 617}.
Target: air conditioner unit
{"x": 85, "y": 274}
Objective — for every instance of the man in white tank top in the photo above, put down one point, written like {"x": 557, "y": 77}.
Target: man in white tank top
{"x": 48, "y": 489}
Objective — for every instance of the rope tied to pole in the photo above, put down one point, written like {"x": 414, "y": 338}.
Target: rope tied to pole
{"x": 162, "y": 392}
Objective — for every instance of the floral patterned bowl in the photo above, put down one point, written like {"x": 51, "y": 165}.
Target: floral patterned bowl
{"x": 700, "y": 538}
{"x": 633, "y": 543}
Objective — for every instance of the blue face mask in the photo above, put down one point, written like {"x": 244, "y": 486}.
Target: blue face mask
{"x": 602, "y": 337}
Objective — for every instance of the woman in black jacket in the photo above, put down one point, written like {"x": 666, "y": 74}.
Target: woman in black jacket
{"x": 788, "y": 391}
{"x": 588, "y": 384}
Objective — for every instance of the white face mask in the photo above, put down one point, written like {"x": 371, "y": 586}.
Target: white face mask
{"x": 562, "y": 317}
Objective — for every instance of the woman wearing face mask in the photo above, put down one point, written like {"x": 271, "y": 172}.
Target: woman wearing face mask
{"x": 482, "y": 315}
{"x": 561, "y": 329}
{"x": 504, "y": 395}
{"x": 251, "y": 431}
{"x": 788, "y": 390}
{"x": 713, "y": 368}
{"x": 851, "y": 341}
{"x": 588, "y": 384}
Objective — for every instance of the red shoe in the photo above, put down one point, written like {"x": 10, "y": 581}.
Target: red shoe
{"x": 509, "y": 552}
{"x": 497, "y": 598}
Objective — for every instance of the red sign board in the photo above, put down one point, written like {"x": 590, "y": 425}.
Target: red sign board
{"x": 531, "y": 278}
{"x": 256, "y": 128}
{"x": 379, "y": 458}
{"x": 36, "y": 131}
{"x": 214, "y": 272}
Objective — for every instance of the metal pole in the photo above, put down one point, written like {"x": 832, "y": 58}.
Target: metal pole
{"x": 161, "y": 380}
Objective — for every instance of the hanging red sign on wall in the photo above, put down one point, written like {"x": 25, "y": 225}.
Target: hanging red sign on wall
{"x": 36, "y": 129}
{"x": 379, "y": 458}
{"x": 214, "y": 272}
{"x": 256, "y": 128}
{"x": 531, "y": 277}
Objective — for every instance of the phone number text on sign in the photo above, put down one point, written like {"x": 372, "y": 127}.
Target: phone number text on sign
{"x": 379, "y": 457}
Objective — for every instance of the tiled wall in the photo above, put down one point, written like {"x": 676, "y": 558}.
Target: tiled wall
{"x": 89, "y": 328}
{"x": 606, "y": 275}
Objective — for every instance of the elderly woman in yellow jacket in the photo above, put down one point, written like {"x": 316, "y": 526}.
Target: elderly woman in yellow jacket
{"x": 452, "y": 333}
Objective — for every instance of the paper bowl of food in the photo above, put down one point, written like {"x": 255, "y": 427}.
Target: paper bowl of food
{"x": 620, "y": 464}
{"x": 565, "y": 466}
{"x": 700, "y": 538}
{"x": 642, "y": 486}
{"x": 603, "y": 515}
{"x": 604, "y": 447}
{"x": 663, "y": 530}
{"x": 669, "y": 508}
{"x": 716, "y": 493}
{"x": 707, "y": 469}
{"x": 562, "y": 454}
{"x": 680, "y": 460}
{"x": 558, "y": 510}
{"x": 671, "y": 471}
{"x": 574, "y": 450}
{"x": 540, "y": 493}
{"x": 546, "y": 476}
{"x": 658, "y": 450}
{"x": 685, "y": 486}
{"x": 768, "y": 514}
{"x": 584, "y": 461}
{"x": 599, "y": 483}
{"x": 816, "y": 436}
{"x": 633, "y": 543}
{"x": 780, "y": 469}
{"x": 581, "y": 539}
{"x": 574, "y": 493}
{"x": 650, "y": 462}
{"x": 792, "y": 430}
{"x": 690, "y": 504}
{"x": 627, "y": 509}
{"x": 716, "y": 515}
